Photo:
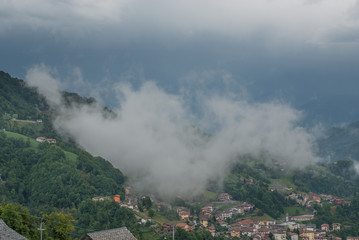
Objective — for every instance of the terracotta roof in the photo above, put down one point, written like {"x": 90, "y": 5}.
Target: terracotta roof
{"x": 181, "y": 225}
{"x": 9, "y": 234}
{"x": 244, "y": 222}
{"x": 111, "y": 234}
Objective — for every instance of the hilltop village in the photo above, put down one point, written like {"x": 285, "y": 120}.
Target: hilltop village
{"x": 234, "y": 219}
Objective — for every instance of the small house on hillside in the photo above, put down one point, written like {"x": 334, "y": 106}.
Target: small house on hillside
{"x": 117, "y": 198}
{"x": 40, "y": 139}
{"x": 51, "y": 140}
{"x": 9, "y": 234}
{"x": 302, "y": 218}
{"x": 96, "y": 199}
{"x": 224, "y": 197}
{"x": 43, "y": 139}
{"x": 325, "y": 227}
{"x": 112, "y": 234}
{"x": 185, "y": 227}
{"x": 336, "y": 226}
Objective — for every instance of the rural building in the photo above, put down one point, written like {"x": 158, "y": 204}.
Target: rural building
{"x": 226, "y": 214}
{"x": 116, "y": 198}
{"x": 292, "y": 236}
{"x": 302, "y": 218}
{"x": 41, "y": 139}
{"x": 51, "y": 140}
{"x": 185, "y": 227}
{"x": 224, "y": 197}
{"x": 336, "y": 226}
{"x": 203, "y": 219}
{"x": 95, "y": 199}
{"x": 236, "y": 232}
{"x": 280, "y": 234}
{"x": 325, "y": 227}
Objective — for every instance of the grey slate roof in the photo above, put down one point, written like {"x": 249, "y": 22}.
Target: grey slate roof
{"x": 111, "y": 234}
{"x": 6, "y": 233}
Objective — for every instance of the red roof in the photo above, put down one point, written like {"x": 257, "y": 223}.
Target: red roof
{"x": 181, "y": 225}
{"x": 244, "y": 222}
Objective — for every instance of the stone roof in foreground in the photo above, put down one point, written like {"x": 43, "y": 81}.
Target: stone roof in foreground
{"x": 7, "y": 233}
{"x": 112, "y": 234}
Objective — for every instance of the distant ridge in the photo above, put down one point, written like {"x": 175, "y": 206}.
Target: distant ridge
{"x": 331, "y": 110}
{"x": 340, "y": 143}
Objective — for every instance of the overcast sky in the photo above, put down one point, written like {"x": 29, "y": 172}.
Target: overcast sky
{"x": 297, "y": 50}
{"x": 238, "y": 69}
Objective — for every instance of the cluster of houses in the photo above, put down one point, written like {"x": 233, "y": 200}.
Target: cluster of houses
{"x": 231, "y": 212}
{"x": 115, "y": 198}
{"x": 184, "y": 213}
{"x": 208, "y": 214}
{"x": 263, "y": 230}
{"x": 259, "y": 230}
{"x": 43, "y": 139}
{"x": 267, "y": 229}
{"x": 309, "y": 199}
{"x": 289, "y": 228}
{"x": 129, "y": 202}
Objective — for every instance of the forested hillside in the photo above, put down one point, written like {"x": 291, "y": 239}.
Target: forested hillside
{"x": 49, "y": 178}
{"x": 30, "y": 170}
{"x": 56, "y": 182}
{"x": 46, "y": 175}
{"x": 19, "y": 101}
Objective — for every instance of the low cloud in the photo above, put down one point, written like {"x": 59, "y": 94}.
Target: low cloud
{"x": 42, "y": 77}
{"x": 162, "y": 146}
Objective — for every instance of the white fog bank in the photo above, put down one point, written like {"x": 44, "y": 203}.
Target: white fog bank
{"x": 160, "y": 145}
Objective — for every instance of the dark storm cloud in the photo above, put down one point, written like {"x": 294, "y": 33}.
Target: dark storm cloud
{"x": 292, "y": 49}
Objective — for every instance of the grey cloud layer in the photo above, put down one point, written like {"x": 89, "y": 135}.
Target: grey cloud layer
{"x": 289, "y": 21}
{"x": 298, "y": 49}
{"x": 153, "y": 140}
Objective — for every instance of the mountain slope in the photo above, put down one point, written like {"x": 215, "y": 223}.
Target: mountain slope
{"x": 47, "y": 175}
{"x": 41, "y": 174}
{"x": 331, "y": 110}
{"x": 340, "y": 143}
{"x": 16, "y": 98}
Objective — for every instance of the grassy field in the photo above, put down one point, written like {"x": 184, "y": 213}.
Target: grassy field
{"x": 149, "y": 234}
{"x": 222, "y": 206}
{"x": 206, "y": 196}
{"x": 33, "y": 142}
{"x": 286, "y": 180}
{"x": 265, "y": 217}
{"x": 72, "y": 157}
{"x": 294, "y": 211}
{"x": 158, "y": 218}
